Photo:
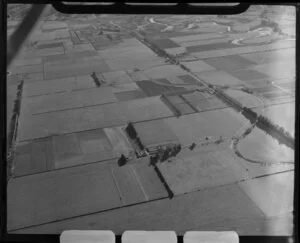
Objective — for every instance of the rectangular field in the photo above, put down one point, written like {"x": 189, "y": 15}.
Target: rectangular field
{"x": 195, "y": 37}
{"x": 118, "y": 141}
{"x": 204, "y": 42}
{"x": 189, "y": 80}
{"x": 66, "y": 101}
{"x": 208, "y": 47}
{"x": 130, "y": 95}
{"x": 249, "y": 75}
{"x": 210, "y": 104}
{"x": 153, "y": 89}
{"x": 271, "y": 56}
{"x": 200, "y": 171}
{"x": 128, "y": 185}
{"x": 219, "y": 78}
{"x": 265, "y": 192}
{"x": 229, "y": 63}
{"x": 163, "y": 71}
{"x": 198, "y": 66}
{"x": 164, "y": 43}
{"x": 214, "y": 207}
{"x": 78, "y": 191}
{"x": 153, "y": 133}
{"x": 58, "y": 86}
{"x": 191, "y": 128}
{"x": 69, "y": 121}
{"x": 33, "y": 157}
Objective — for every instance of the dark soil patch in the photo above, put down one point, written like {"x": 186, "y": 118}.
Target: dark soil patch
{"x": 229, "y": 63}
{"x": 189, "y": 79}
{"x": 164, "y": 43}
{"x": 209, "y": 47}
{"x": 130, "y": 95}
{"x": 50, "y": 45}
{"x": 152, "y": 89}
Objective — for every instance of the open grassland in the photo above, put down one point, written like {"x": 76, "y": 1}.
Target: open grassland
{"x": 262, "y": 147}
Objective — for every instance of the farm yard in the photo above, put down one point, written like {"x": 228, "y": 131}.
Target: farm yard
{"x": 86, "y": 92}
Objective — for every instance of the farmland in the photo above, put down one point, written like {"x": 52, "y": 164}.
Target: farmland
{"x": 80, "y": 82}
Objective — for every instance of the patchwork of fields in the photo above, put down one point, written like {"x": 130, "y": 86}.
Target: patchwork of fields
{"x": 82, "y": 81}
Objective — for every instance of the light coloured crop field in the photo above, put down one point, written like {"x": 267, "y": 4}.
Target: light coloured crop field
{"x": 175, "y": 80}
{"x": 117, "y": 77}
{"x": 122, "y": 52}
{"x": 70, "y": 48}
{"x": 282, "y": 115}
{"x": 149, "y": 108}
{"x": 278, "y": 70}
{"x": 76, "y": 69}
{"x": 244, "y": 49}
{"x": 271, "y": 56}
{"x": 25, "y": 62}
{"x": 69, "y": 121}
{"x": 249, "y": 75}
{"x": 245, "y": 99}
{"x": 117, "y": 88}
{"x": 191, "y": 128}
{"x": 26, "y": 69}
{"x": 198, "y": 66}
{"x": 196, "y": 37}
{"x": 118, "y": 140}
{"x": 65, "y": 101}
{"x": 198, "y": 171}
{"x": 218, "y": 78}
{"x": 262, "y": 147}
{"x": 152, "y": 133}
{"x": 274, "y": 194}
{"x": 58, "y": 86}
{"x": 163, "y": 71}
{"x": 130, "y": 63}
{"x": 53, "y": 25}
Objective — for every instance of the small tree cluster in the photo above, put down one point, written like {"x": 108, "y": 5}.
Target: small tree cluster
{"x": 122, "y": 160}
{"x": 193, "y": 145}
{"x": 131, "y": 131}
{"x": 164, "y": 153}
{"x": 247, "y": 90}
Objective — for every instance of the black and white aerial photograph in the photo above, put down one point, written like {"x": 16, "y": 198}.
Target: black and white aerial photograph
{"x": 152, "y": 122}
